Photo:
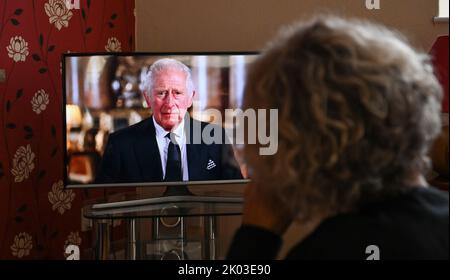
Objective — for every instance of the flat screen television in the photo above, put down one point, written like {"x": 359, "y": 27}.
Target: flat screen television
{"x": 104, "y": 93}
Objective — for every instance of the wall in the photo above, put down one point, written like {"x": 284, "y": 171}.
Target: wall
{"x": 234, "y": 25}
{"x": 38, "y": 218}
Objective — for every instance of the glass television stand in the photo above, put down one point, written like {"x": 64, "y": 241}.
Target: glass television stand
{"x": 194, "y": 222}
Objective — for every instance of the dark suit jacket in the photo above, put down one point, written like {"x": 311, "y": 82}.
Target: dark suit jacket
{"x": 132, "y": 156}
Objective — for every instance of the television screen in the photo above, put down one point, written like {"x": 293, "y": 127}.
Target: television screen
{"x": 119, "y": 109}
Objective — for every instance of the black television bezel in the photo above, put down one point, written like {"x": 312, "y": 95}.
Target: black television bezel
{"x": 64, "y": 127}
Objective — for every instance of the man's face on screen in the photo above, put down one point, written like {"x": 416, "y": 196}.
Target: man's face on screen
{"x": 169, "y": 98}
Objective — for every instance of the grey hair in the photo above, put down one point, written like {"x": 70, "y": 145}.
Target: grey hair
{"x": 166, "y": 64}
{"x": 359, "y": 109}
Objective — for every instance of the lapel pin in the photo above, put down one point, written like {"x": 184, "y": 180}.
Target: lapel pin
{"x": 211, "y": 165}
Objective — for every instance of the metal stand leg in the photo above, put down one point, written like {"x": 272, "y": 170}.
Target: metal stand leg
{"x": 182, "y": 237}
{"x": 131, "y": 240}
{"x": 102, "y": 241}
{"x": 209, "y": 250}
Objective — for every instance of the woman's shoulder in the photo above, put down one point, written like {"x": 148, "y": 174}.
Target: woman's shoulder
{"x": 414, "y": 224}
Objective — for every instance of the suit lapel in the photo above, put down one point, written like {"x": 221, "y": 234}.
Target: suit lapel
{"x": 194, "y": 151}
{"x": 147, "y": 153}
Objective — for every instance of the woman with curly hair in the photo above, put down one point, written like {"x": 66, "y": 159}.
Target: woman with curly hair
{"x": 358, "y": 111}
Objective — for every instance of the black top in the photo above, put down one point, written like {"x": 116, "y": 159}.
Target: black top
{"x": 413, "y": 225}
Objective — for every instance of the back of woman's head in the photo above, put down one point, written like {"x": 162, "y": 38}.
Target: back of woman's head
{"x": 358, "y": 110}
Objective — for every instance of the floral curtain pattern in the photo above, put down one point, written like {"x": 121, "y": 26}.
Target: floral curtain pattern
{"x": 17, "y": 49}
{"x": 38, "y": 217}
{"x": 58, "y": 13}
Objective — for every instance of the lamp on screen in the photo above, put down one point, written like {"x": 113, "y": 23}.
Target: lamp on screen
{"x": 73, "y": 119}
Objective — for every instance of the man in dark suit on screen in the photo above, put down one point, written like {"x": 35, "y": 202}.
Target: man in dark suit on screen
{"x": 163, "y": 147}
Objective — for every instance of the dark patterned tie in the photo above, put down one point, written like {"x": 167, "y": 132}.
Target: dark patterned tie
{"x": 173, "y": 165}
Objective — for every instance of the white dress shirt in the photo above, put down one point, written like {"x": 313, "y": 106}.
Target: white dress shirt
{"x": 163, "y": 146}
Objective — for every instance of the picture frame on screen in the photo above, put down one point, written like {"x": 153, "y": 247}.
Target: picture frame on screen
{"x": 120, "y": 109}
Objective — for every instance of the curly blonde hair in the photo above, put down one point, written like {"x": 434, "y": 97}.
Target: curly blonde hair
{"x": 358, "y": 111}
